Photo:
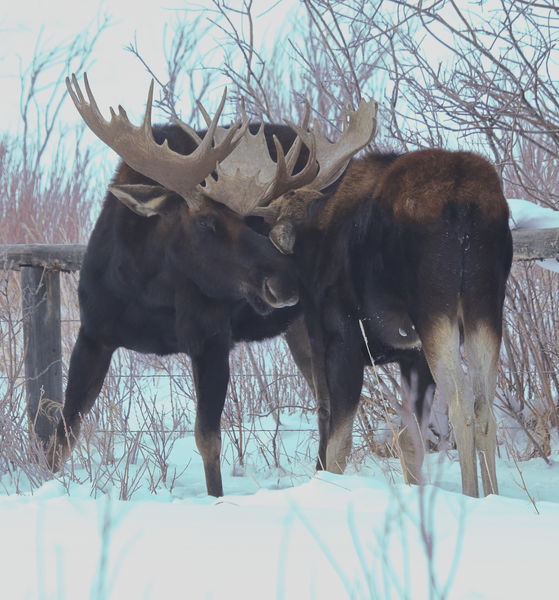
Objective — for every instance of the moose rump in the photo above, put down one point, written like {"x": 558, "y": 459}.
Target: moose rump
{"x": 446, "y": 251}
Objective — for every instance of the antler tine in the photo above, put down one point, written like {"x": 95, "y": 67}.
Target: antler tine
{"x": 147, "y": 115}
{"x": 295, "y": 150}
{"x": 211, "y": 123}
{"x": 204, "y": 112}
{"x": 283, "y": 180}
{"x": 280, "y": 175}
{"x": 358, "y": 131}
{"x": 249, "y": 178}
{"x": 187, "y": 129}
{"x": 139, "y": 150}
{"x": 240, "y": 124}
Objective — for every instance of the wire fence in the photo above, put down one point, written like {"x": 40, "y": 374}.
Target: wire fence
{"x": 259, "y": 391}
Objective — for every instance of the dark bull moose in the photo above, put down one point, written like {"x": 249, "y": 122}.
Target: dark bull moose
{"x": 405, "y": 261}
{"x": 173, "y": 266}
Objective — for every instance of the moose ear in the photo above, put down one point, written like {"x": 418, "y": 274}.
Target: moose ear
{"x": 283, "y": 236}
{"x": 144, "y": 200}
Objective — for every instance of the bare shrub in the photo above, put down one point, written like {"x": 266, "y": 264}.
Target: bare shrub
{"x": 490, "y": 91}
{"x": 44, "y": 195}
{"x": 477, "y": 79}
{"x": 529, "y": 380}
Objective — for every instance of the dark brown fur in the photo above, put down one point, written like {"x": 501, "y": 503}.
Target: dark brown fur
{"x": 417, "y": 249}
{"x": 177, "y": 281}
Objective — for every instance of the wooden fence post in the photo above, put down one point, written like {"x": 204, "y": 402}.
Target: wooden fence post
{"x": 43, "y": 348}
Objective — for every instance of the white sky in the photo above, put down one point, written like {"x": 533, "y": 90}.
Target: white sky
{"x": 117, "y": 77}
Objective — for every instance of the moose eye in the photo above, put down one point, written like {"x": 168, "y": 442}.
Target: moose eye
{"x": 206, "y": 223}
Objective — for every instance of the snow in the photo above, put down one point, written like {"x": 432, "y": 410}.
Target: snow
{"x": 527, "y": 215}
{"x": 279, "y": 532}
{"x": 285, "y": 533}
{"x": 336, "y": 535}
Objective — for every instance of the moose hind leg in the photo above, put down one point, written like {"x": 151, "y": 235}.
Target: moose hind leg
{"x": 483, "y": 298}
{"x": 441, "y": 344}
{"x": 417, "y": 390}
{"x": 211, "y": 377}
{"x": 481, "y": 348}
{"x": 89, "y": 364}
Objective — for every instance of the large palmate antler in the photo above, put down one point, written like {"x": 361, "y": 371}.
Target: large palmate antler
{"x": 249, "y": 178}
{"x": 137, "y": 147}
{"x": 332, "y": 158}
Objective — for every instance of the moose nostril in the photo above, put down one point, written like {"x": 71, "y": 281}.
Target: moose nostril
{"x": 270, "y": 293}
{"x": 277, "y": 298}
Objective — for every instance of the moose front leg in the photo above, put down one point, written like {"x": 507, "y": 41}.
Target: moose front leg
{"x": 309, "y": 358}
{"x": 211, "y": 376}
{"x": 338, "y": 364}
{"x": 89, "y": 364}
{"x": 344, "y": 374}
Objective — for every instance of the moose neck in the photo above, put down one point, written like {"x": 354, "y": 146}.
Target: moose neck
{"x": 342, "y": 224}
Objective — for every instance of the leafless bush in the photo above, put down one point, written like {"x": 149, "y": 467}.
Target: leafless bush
{"x": 185, "y": 76}
{"x": 529, "y": 380}
{"x": 490, "y": 90}
{"x": 45, "y": 195}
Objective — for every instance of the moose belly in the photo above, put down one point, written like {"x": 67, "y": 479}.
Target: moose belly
{"x": 147, "y": 331}
{"x": 393, "y": 329}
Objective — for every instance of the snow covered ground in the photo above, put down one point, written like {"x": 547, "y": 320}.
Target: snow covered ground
{"x": 280, "y": 532}
{"x": 286, "y": 533}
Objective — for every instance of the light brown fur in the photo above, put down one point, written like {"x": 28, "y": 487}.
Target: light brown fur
{"x": 428, "y": 253}
{"x": 419, "y": 185}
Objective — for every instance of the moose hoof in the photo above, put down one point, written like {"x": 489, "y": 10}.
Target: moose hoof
{"x": 56, "y": 454}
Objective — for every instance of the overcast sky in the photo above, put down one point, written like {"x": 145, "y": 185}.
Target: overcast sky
{"x": 116, "y": 75}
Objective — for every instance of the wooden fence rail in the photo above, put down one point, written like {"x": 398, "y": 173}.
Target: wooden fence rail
{"x": 40, "y": 266}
